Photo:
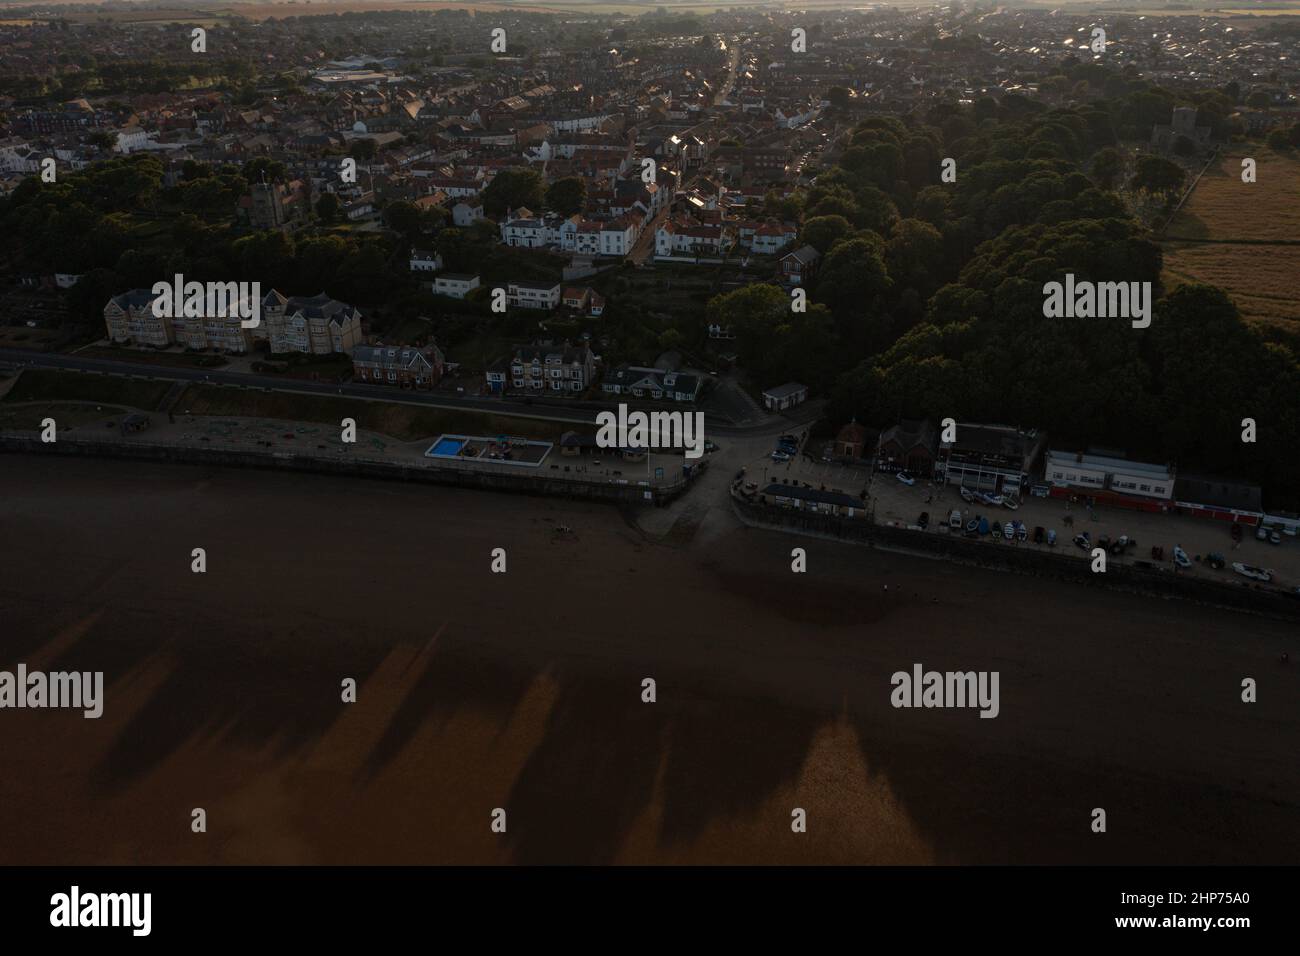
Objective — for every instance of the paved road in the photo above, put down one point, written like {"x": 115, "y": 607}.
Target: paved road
{"x": 577, "y": 413}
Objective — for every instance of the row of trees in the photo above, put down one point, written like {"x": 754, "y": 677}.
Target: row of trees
{"x": 929, "y": 299}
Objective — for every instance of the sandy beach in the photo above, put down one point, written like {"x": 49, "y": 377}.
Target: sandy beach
{"x": 522, "y": 690}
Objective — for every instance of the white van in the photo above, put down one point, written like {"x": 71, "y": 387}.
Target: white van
{"x": 954, "y": 519}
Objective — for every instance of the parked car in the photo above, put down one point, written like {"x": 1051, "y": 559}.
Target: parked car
{"x": 1039, "y": 534}
{"x": 973, "y": 526}
{"x": 1215, "y": 560}
{"x": 1252, "y": 572}
{"x": 984, "y": 526}
{"x": 1051, "y": 537}
{"x": 1041, "y": 490}
{"x": 905, "y": 478}
{"x": 1262, "y": 533}
{"x": 1274, "y": 538}
{"x": 1180, "y": 557}
{"x": 1009, "y": 530}
{"x": 924, "y": 520}
{"x": 780, "y": 456}
{"x": 1022, "y": 533}
{"x": 967, "y": 495}
{"x": 954, "y": 519}
{"x": 1010, "y": 502}
{"x": 1083, "y": 540}
{"x": 997, "y": 529}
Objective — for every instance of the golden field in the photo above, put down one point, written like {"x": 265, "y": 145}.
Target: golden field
{"x": 1236, "y": 235}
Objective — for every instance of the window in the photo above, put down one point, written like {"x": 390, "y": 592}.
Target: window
{"x": 1144, "y": 487}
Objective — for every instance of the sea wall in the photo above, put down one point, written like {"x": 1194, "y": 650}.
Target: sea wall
{"x": 531, "y": 483}
{"x": 1024, "y": 558}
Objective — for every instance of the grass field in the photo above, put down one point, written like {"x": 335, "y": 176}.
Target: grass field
{"x": 150, "y": 357}
{"x": 1241, "y": 231}
{"x": 40, "y": 385}
{"x": 1225, "y": 208}
{"x": 66, "y": 415}
{"x": 403, "y": 422}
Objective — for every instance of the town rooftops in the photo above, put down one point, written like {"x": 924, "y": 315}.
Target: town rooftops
{"x": 779, "y": 490}
{"x": 392, "y": 356}
{"x": 567, "y": 354}
{"x": 784, "y": 391}
{"x": 1109, "y": 463}
{"x": 805, "y": 255}
{"x": 134, "y": 299}
{"x": 319, "y": 306}
{"x": 993, "y": 440}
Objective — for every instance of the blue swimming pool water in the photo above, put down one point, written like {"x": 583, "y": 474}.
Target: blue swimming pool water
{"x": 448, "y": 447}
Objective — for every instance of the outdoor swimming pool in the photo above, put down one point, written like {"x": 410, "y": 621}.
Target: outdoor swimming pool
{"x": 482, "y": 450}
{"x": 446, "y": 448}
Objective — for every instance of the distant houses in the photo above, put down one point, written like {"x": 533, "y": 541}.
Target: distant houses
{"x": 401, "y": 366}
{"x": 543, "y": 368}
{"x": 315, "y": 325}
{"x": 799, "y": 266}
{"x": 455, "y": 285}
{"x": 651, "y": 383}
{"x": 533, "y": 295}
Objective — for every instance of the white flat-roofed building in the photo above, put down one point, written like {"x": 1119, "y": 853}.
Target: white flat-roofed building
{"x": 1106, "y": 472}
{"x": 455, "y": 285}
{"x": 533, "y": 295}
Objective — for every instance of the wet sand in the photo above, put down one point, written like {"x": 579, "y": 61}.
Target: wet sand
{"x": 523, "y": 690}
